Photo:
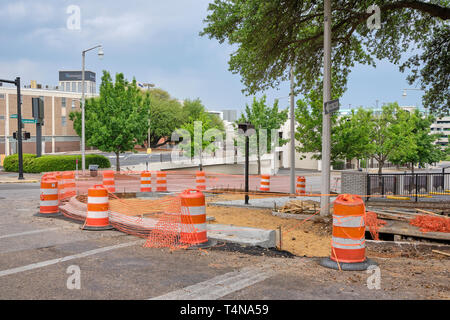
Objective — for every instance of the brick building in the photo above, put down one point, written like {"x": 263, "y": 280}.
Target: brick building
{"x": 58, "y": 134}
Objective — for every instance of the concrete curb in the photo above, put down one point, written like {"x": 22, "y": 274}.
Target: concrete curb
{"x": 244, "y": 235}
{"x": 222, "y": 232}
{"x": 20, "y": 181}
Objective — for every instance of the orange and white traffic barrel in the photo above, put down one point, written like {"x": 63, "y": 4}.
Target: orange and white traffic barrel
{"x": 200, "y": 180}
{"x": 59, "y": 178}
{"x": 193, "y": 219}
{"x": 49, "y": 199}
{"x": 161, "y": 181}
{"x": 301, "y": 186}
{"x": 146, "y": 181}
{"x": 108, "y": 180}
{"x": 265, "y": 182}
{"x": 97, "y": 217}
{"x": 69, "y": 184}
{"x": 348, "y": 250}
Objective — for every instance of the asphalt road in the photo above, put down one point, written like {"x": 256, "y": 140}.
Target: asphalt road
{"x": 131, "y": 159}
{"x": 39, "y": 258}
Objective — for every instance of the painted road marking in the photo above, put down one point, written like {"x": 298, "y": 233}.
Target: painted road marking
{"x": 67, "y": 258}
{"x": 26, "y": 233}
{"x": 220, "y": 286}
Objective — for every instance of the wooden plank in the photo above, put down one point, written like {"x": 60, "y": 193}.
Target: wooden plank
{"x": 441, "y": 252}
{"x": 405, "y": 229}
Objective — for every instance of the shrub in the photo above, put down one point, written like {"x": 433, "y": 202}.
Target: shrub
{"x": 11, "y": 163}
{"x": 48, "y": 163}
{"x": 338, "y": 165}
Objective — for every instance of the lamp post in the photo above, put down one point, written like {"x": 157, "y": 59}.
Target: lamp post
{"x": 16, "y": 82}
{"x": 148, "y": 85}
{"x": 245, "y": 128}
{"x": 83, "y": 134}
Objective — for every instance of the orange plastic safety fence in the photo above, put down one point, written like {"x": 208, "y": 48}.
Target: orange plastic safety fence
{"x": 374, "y": 224}
{"x": 431, "y": 224}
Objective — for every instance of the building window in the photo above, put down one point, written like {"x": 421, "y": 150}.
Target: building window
{"x": 63, "y": 102}
{"x": 2, "y": 96}
{"x": 63, "y": 121}
{"x": 73, "y": 103}
{"x": 74, "y": 89}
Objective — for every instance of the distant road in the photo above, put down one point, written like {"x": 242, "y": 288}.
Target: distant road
{"x": 131, "y": 159}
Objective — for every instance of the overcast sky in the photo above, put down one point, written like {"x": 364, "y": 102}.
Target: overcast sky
{"x": 154, "y": 41}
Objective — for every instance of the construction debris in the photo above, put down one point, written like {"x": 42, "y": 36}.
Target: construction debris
{"x": 300, "y": 207}
{"x": 440, "y": 252}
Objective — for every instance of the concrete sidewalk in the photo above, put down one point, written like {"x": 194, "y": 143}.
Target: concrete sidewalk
{"x": 12, "y": 177}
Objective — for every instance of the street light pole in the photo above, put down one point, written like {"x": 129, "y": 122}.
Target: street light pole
{"x": 326, "y": 117}
{"x": 83, "y": 134}
{"x": 292, "y": 142}
{"x": 16, "y": 82}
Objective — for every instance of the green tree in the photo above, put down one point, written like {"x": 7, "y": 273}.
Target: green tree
{"x": 390, "y": 134}
{"x": 196, "y": 110}
{"x": 351, "y": 139}
{"x": 116, "y": 120}
{"x": 272, "y": 36}
{"x": 263, "y": 117}
{"x": 308, "y": 115}
{"x": 202, "y": 136}
{"x": 422, "y": 148}
{"x": 166, "y": 115}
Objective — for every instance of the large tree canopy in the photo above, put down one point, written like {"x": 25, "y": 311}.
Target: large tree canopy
{"x": 273, "y": 35}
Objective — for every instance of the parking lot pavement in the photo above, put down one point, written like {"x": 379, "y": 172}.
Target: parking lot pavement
{"x": 39, "y": 258}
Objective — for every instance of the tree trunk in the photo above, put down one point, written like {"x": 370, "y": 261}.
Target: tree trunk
{"x": 380, "y": 167}
{"x": 412, "y": 167}
{"x": 117, "y": 162}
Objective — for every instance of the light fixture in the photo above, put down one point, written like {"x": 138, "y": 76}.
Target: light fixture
{"x": 100, "y": 52}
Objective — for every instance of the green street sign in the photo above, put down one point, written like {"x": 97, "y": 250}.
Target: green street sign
{"x": 28, "y": 121}
{"x": 14, "y": 116}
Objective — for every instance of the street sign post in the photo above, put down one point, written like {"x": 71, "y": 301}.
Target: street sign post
{"x": 331, "y": 106}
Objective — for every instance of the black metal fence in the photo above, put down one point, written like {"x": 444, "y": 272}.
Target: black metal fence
{"x": 416, "y": 186}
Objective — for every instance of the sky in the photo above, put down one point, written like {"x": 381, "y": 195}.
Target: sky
{"x": 154, "y": 41}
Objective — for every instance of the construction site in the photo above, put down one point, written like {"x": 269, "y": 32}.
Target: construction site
{"x": 192, "y": 236}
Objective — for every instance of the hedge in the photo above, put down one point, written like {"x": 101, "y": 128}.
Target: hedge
{"x": 48, "y": 163}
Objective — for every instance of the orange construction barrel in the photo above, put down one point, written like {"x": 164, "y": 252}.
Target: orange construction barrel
{"x": 97, "y": 217}
{"x": 193, "y": 219}
{"x": 200, "y": 180}
{"x": 348, "y": 239}
{"x": 49, "y": 199}
{"x": 146, "y": 181}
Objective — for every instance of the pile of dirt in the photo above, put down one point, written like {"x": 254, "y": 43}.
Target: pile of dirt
{"x": 310, "y": 239}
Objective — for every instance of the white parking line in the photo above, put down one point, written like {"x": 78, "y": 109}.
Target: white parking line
{"x": 67, "y": 258}
{"x": 220, "y": 286}
{"x": 26, "y": 233}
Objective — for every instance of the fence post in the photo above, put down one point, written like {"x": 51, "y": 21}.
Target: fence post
{"x": 417, "y": 176}
{"x": 368, "y": 186}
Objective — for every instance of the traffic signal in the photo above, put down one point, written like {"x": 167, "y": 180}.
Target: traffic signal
{"x": 38, "y": 109}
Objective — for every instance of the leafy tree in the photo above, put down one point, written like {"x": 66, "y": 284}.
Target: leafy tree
{"x": 202, "y": 135}
{"x": 422, "y": 149}
{"x": 435, "y": 73}
{"x": 308, "y": 115}
{"x": 352, "y": 135}
{"x": 271, "y": 36}
{"x": 165, "y": 116}
{"x": 390, "y": 134}
{"x": 261, "y": 116}
{"x": 196, "y": 110}
{"x": 209, "y": 128}
{"x": 116, "y": 120}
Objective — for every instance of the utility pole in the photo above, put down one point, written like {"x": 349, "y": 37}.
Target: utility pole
{"x": 292, "y": 145}
{"x": 16, "y": 82}
{"x": 326, "y": 117}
